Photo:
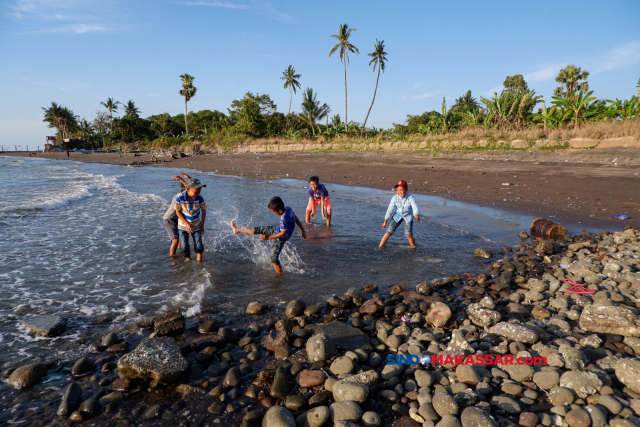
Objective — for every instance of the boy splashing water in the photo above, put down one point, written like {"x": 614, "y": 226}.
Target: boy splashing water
{"x": 192, "y": 212}
{"x": 279, "y": 234}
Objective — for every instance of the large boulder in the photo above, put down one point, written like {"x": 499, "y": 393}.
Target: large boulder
{"x": 45, "y": 326}
{"x": 583, "y": 384}
{"x": 27, "y": 375}
{"x": 474, "y": 416}
{"x": 628, "y": 373}
{"x": 438, "y": 314}
{"x": 278, "y": 416}
{"x": 158, "y": 358}
{"x": 604, "y": 318}
{"x": 343, "y": 336}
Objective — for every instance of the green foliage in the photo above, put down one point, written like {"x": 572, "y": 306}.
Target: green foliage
{"x": 515, "y": 83}
{"x": 255, "y": 116}
{"x": 188, "y": 91}
{"x": 510, "y": 108}
{"x": 573, "y": 79}
{"x": 62, "y": 119}
{"x": 312, "y": 110}
{"x": 578, "y": 107}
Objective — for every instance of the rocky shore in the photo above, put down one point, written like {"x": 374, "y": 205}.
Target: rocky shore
{"x": 330, "y": 363}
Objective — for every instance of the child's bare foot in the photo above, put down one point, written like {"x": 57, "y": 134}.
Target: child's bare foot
{"x": 187, "y": 259}
{"x": 234, "y": 228}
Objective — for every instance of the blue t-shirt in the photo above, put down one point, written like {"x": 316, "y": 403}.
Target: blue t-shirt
{"x": 322, "y": 192}
{"x": 287, "y": 222}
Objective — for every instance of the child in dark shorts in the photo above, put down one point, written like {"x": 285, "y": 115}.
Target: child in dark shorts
{"x": 279, "y": 234}
{"x": 170, "y": 218}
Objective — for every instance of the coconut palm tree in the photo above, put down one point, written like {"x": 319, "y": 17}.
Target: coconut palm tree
{"x": 188, "y": 91}
{"x": 290, "y": 82}
{"x": 466, "y": 103}
{"x": 379, "y": 59}
{"x": 62, "y": 119}
{"x": 131, "y": 112}
{"x": 573, "y": 79}
{"x": 345, "y": 47}
{"x": 312, "y": 111}
{"x": 111, "y": 106}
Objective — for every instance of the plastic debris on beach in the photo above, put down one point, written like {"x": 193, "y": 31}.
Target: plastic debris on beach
{"x": 506, "y": 183}
{"x": 621, "y": 216}
{"x": 406, "y": 319}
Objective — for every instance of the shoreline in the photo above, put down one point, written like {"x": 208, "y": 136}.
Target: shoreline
{"x": 581, "y": 187}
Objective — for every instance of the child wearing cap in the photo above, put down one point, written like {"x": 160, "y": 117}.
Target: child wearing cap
{"x": 402, "y": 208}
{"x": 170, "y": 218}
{"x": 318, "y": 195}
{"x": 279, "y": 234}
{"x": 192, "y": 212}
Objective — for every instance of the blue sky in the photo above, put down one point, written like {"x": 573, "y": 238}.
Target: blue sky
{"x": 79, "y": 52}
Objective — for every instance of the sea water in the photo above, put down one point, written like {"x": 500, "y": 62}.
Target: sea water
{"x": 85, "y": 241}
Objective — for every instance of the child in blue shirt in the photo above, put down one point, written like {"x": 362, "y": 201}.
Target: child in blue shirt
{"x": 279, "y": 234}
{"x": 402, "y": 208}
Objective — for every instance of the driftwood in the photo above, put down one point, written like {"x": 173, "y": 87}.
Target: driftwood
{"x": 541, "y": 227}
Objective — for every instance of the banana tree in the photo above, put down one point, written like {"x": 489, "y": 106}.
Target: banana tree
{"x": 578, "y": 104}
{"x": 546, "y": 116}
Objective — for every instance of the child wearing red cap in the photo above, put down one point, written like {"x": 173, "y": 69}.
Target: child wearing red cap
{"x": 402, "y": 208}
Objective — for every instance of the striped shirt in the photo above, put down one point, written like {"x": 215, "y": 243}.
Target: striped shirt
{"x": 190, "y": 209}
{"x": 403, "y": 208}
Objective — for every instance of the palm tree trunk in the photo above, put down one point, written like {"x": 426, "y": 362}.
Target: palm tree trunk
{"x": 345, "y": 93}
{"x": 185, "y": 116}
{"x": 372, "y": 101}
{"x": 290, "y": 99}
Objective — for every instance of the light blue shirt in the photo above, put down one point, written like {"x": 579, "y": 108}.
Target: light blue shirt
{"x": 404, "y": 208}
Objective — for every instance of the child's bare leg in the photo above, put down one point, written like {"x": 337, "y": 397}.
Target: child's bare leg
{"x": 278, "y": 268}
{"x": 237, "y": 230}
{"x": 174, "y": 245}
{"x": 412, "y": 242}
{"x": 199, "y": 257}
{"x": 308, "y": 217}
{"x": 385, "y": 237}
{"x": 328, "y": 218}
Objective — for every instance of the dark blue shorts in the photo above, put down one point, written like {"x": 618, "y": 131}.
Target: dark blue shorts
{"x": 276, "y": 244}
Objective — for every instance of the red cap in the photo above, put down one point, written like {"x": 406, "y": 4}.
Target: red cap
{"x": 400, "y": 183}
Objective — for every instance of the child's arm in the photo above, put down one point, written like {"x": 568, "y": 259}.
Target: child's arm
{"x": 414, "y": 207}
{"x": 273, "y": 236}
{"x": 181, "y": 216}
{"x": 304, "y": 235}
{"x": 390, "y": 211}
{"x": 204, "y": 217}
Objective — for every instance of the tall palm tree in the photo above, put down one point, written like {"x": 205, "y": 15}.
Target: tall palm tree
{"x": 312, "y": 111}
{"x": 188, "y": 91}
{"x": 131, "y": 112}
{"x": 111, "y": 105}
{"x": 379, "y": 60}
{"x": 571, "y": 77}
{"x": 62, "y": 119}
{"x": 345, "y": 47}
{"x": 290, "y": 82}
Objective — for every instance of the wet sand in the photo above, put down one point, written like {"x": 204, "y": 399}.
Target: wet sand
{"x": 576, "y": 186}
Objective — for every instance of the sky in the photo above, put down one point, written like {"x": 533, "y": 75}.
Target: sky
{"x": 80, "y": 52}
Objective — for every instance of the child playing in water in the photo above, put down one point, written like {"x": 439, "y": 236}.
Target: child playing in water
{"x": 170, "y": 218}
{"x": 190, "y": 206}
{"x": 318, "y": 195}
{"x": 402, "y": 207}
{"x": 280, "y": 234}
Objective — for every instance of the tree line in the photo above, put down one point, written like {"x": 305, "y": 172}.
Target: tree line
{"x": 256, "y": 115}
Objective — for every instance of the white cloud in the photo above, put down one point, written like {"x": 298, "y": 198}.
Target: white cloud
{"x": 214, "y": 3}
{"x": 61, "y": 16}
{"x": 542, "y": 74}
{"x": 254, "y": 6}
{"x": 416, "y": 86}
{"x": 620, "y": 57}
